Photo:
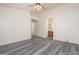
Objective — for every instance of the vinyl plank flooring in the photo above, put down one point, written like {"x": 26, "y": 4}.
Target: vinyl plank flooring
{"x": 45, "y": 48}
{"x": 34, "y": 49}
{"x": 73, "y": 50}
{"x": 55, "y": 50}
{"x": 12, "y": 46}
{"x": 24, "y": 48}
{"x": 50, "y": 48}
{"x": 65, "y": 49}
{"x": 40, "y": 46}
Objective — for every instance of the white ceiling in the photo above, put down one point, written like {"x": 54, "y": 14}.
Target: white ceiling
{"x": 25, "y": 6}
{"x": 22, "y": 6}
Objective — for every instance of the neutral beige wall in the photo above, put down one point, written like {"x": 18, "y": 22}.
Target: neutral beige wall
{"x": 15, "y": 25}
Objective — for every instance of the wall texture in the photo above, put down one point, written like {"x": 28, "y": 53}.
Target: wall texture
{"x": 15, "y": 25}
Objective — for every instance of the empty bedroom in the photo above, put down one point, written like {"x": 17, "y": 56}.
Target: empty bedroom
{"x": 39, "y": 28}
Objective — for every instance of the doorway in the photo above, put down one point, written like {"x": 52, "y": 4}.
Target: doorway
{"x": 50, "y": 28}
{"x": 33, "y": 26}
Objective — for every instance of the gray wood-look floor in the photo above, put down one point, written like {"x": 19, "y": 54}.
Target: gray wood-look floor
{"x": 40, "y": 46}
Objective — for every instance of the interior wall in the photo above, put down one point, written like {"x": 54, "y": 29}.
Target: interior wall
{"x": 15, "y": 25}
{"x": 41, "y": 27}
{"x": 66, "y": 22}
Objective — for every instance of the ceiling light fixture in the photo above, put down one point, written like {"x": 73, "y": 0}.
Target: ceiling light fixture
{"x": 37, "y": 6}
